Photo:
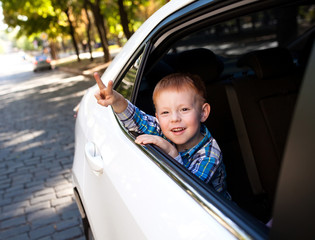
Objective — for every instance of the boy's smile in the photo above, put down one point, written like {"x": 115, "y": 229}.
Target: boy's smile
{"x": 179, "y": 114}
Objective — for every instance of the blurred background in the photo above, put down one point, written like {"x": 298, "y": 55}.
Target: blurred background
{"x": 58, "y": 28}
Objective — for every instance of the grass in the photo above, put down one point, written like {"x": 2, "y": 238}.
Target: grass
{"x": 83, "y": 64}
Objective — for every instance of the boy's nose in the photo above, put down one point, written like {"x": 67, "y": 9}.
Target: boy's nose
{"x": 175, "y": 117}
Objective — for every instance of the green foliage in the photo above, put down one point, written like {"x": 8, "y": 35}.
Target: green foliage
{"x": 24, "y": 43}
{"x": 34, "y": 17}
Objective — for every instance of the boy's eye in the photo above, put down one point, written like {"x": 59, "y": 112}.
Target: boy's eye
{"x": 165, "y": 112}
{"x": 185, "y": 109}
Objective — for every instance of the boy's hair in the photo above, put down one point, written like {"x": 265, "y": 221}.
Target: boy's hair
{"x": 181, "y": 81}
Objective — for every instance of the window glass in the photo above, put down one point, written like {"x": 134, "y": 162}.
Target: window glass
{"x": 126, "y": 86}
{"x": 265, "y": 29}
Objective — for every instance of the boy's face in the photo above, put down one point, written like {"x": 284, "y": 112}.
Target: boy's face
{"x": 179, "y": 114}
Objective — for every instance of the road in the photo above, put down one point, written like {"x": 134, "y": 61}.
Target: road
{"x": 36, "y": 151}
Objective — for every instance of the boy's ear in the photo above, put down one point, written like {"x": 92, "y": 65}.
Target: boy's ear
{"x": 205, "y": 111}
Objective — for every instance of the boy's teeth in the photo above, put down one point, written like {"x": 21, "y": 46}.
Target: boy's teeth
{"x": 177, "y": 129}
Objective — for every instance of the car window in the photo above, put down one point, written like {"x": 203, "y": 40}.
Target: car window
{"x": 252, "y": 66}
{"x": 126, "y": 86}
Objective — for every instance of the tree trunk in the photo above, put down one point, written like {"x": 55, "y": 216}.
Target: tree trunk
{"x": 75, "y": 45}
{"x": 53, "y": 50}
{"x": 124, "y": 19}
{"x": 99, "y": 22}
{"x": 88, "y": 30}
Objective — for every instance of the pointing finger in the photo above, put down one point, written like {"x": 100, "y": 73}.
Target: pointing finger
{"x": 99, "y": 81}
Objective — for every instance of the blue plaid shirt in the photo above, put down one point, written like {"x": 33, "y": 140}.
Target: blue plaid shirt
{"x": 204, "y": 160}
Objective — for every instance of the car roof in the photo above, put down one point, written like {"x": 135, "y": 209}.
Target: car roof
{"x": 139, "y": 36}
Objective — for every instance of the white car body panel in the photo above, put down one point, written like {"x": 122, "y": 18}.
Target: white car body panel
{"x": 118, "y": 199}
{"x": 138, "y": 37}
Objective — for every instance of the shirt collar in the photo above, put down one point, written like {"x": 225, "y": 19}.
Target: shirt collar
{"x": 190, "y": 152}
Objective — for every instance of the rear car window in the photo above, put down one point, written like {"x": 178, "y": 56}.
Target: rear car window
{"x": 252, "y": 66}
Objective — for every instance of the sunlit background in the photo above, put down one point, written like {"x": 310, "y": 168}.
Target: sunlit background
{"x": 4, "y": 44}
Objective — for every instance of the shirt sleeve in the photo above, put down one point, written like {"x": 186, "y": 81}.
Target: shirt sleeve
{"x": 136, "y": 120}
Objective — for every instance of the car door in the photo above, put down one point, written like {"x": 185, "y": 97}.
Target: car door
{"x": 131, "y": 194}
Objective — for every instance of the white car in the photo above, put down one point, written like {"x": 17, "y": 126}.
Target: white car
{"x": 257, "y": 62}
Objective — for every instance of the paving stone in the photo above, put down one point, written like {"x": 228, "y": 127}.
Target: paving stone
{"x": 65, "y": 224}
{"x": 12, "y": 213}
{"x": 13, "y": 206}
{"x": 5, "y": 201}
{"x": 42, "y": 198}
{"x": 5, "y": 184}
{"x": 37, "y": 207}
{"x": 60, "y": 201}
{"x": 42, "y": 232}
{"x": 35, "y": 185}
{"x": 13, "y": 222}
{"x": 41, "y": 214}
{"x": 70, "y": 212}
{"x": 23, "y": 236}
{"x": 5, "y": 234}
{"x": 19, "y": 198}
{"x": 68, "y": 233}
{"x": 46, "y": 238}
{"x": 15, "y": 190}
{"x": 49, "y": 220}
{"x": 44, "y": 192}
{"x": 64, "y": 192}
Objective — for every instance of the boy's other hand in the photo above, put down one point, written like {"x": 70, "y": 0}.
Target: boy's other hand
{"x": 158, "y": 141}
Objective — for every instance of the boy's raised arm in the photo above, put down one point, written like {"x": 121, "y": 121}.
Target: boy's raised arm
{"x": 107, "y": 96}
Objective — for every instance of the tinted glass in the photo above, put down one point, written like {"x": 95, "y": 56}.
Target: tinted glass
{"x": 127, "y": 84}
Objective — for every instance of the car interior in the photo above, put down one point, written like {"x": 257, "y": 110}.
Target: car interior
{"x": 252, "y": 66}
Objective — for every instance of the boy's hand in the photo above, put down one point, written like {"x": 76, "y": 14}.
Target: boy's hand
{"x": 158, "y": 141}
{"x": 104, "y": 95}
{"x": 107, "y": 96}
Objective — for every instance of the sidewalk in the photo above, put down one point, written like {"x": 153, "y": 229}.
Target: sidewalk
{"x": 85, "y": 67}
{"x": 36, "y": 157}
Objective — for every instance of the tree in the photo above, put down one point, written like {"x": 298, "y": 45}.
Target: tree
{"x": 88, "y": 30}
{"x": 99, "y": 22}
{"x": 64, "y": 6}
{"x": 33, "y": 19}
{"x": 124, "y": 19}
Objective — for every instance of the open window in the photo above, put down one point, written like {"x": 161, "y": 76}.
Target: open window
{"x": 252, "y": 65}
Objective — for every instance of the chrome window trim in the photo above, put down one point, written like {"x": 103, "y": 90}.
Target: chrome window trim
{"x": 226, "y": 222}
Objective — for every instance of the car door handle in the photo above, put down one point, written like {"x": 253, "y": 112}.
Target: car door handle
{"x": 93, "y": 158}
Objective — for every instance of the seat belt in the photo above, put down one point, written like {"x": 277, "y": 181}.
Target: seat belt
{"x": 242, "y": 135}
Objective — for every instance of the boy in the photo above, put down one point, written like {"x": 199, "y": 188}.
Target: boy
{"x": 181, "y": 108}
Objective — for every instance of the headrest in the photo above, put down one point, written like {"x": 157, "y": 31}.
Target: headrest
{"x": 268, "y": 63}
{"x": 202, "y": 62}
